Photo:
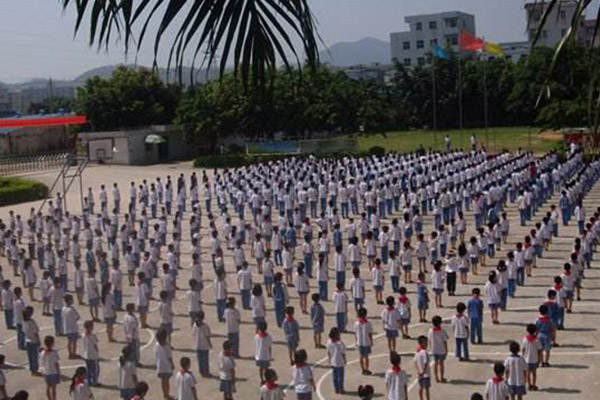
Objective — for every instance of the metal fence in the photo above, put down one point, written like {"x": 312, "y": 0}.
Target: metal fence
{"x": 14, "y": 165}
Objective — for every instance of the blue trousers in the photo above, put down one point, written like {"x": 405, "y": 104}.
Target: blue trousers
{"x": 341, "y": 321}
{"x": 93, "y": 371}
{"x": 234, "y": 339}
{"x": 338, "y": 378}
{"x": 279, "y": 312}
{"x": 323, "y": 290}
{"x": 476, "y": 331}
{"x": 512, "y": 287}
{"x": 33, "y": 352}
{"x": 462, "y": 348}
{"x": 20, "y": 337}
{"x": 221, "y": 303}
{"x": 245, "y": 294}
{"x": 340, "y": 278}
{"x": 203, "y": 359}
{"x": 395, "y": 283}
{"x": 58, "y": 329}
{"x": 9, "y": 317}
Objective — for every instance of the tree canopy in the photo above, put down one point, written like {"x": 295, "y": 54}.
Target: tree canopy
{"x": 130, "y": 98}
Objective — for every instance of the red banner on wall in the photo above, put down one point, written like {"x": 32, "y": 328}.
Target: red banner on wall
{"x": 41, "y": 122}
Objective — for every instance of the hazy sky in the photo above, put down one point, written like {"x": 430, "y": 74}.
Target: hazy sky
{"x": 36, "y": 37}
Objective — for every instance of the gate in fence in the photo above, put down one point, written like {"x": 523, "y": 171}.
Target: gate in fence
{"x": 14, "y": 165}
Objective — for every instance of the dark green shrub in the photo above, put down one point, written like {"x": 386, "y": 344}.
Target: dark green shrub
{"x": 377, "y": 151}
{"x": 17, "y": 190}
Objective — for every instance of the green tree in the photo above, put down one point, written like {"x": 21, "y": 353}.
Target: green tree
{"x": 130, "y": 98}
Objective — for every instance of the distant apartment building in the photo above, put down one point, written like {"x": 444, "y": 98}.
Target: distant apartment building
{"x": 5, "y": 108}
{"x": 557, "y": 24}
{"x": 514, "y": 51}
{"x": 21, "y": 100}
{"x": 413, "y": 47}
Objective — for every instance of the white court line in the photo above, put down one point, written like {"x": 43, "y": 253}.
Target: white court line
{"x": 413, "y": 384}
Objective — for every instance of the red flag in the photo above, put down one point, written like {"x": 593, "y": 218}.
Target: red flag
{"x": 469, "y": 42}
{"x": 36, "y": 122}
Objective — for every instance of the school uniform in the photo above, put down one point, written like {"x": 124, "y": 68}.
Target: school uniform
{"x": 396, "y": 381}
{"x": 363, "y": 330}
{"x": 516, "y": 367}
{"x": 336, "y": 350}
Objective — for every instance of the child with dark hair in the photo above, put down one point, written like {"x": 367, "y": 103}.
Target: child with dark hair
{"x": 396, "y": 380}
{"x": 79, "y": 389}
{"x": 291, "y": 329}
{"x": 127, "y": 373}
{"x": 532, "y": 352}
{"x": 302, "y": 376}
{"x": 227, "y": 371}
{"x": 546, "y": 334}
{"x": 421, "y": 361}
{"x": 317, "y": 318}
{"x": 516, "y": 372}
{"x": 496, "y": 388}
{"x": 364, "y": 339}
{"x": 336, "y": 353}
{"x": 461, "y": 332}
{"x": 438, "y": 342}
{"x": 270, "y": 390}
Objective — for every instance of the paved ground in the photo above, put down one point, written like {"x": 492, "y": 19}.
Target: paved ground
{"x": 572, "y": 376}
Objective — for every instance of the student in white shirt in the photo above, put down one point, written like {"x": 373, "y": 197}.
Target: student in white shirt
{"x": 127, "y": 373}
{"x": 70, "y": 318}
{"x": 79, "y": 389}
{"x": 91, "y": 354}
{"x": 460, "y": 323}
{"x": 496, "y": 388}
{"x": 270, "y": 390}
{"x": 302, "y": 376}
{"x": 336, "y": 353}
{"x": 396, "y": 380}
{"x": 263, "y": 343}
{"x": 164, "y": 362}
{"x": 438, "y": 342}
{"x": 516, "y": 372}
{"x": 50, "y": 362}
{"x": 363, "y": 331}
{"x": 186, "y": 382}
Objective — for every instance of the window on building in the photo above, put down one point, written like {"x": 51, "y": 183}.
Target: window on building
{"x": 545, "y": 34}
{"x": 432, "y": 24}
{"x": 407, "y": 62}
{"x": 563, "y": 32}
{"x": 451, "y": 22}
{"x": 420, "y": 44}
{"x": 419, "y": 26}
{"x": 563, "y": 14}
{"x": 405, "y": 45}
{"x": 531, "y": 34}
{"x": 433, "y": 42}
{"x": 421, "y": 61}
{"x": 451, "y": 40}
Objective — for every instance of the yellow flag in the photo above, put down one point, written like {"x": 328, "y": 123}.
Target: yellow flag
{"x": 493, "y": 48}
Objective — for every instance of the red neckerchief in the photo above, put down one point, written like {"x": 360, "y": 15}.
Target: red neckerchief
{"x": 396, "y": 369}
{"x": 567, "y": 273}
{"x": 530, "y": 338}
{"x": 437, "y": 328}
{"x": 402, "y": 299}
{"x": 527, "y": 245}
{"x": 460, "y": 315}
{"x": 289, "y": 318}
{"x": 183, "y": 371}
{"x": 335, "y": 340}
{"x": 262, "y": 334}
{"x": 300, "y": 365}
{"x": 544, "y": 319}
{"x": 390, "y": 308}
{"x": 557, "y": 287}
{"x": 79, "y": 381}
{"x": 271, "y": 385}
{"x": 497, "y": 380}
{"x": 228, "y": 353}
{"x": 362, "y": 321}
{"x": 419, "y": 348}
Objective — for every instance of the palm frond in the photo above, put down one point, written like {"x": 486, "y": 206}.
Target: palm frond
{"x": 255, "y": 35}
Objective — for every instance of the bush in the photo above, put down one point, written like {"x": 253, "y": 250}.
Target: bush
{"x": 377, "y": 151}
{"x": 17, "y": 190}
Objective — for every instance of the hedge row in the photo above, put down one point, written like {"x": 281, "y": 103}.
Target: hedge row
{"x": 17, "y": 190}
{"x": 242, "y": 160}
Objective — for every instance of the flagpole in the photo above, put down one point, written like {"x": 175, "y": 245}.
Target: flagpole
{"x": 460, "y": 96}
{"x": 434, "y": 95}
{"x": 485, "y": 99}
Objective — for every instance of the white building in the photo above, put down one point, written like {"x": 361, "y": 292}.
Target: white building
{"x": 414, "y": 46}
{"x": 557, "y": 24}
{"x": 514, "y": 51}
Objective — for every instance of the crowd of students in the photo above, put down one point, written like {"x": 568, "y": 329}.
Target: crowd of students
{"x": 307, "y": 219}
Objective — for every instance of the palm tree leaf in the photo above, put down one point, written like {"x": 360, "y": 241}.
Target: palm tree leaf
{"x": 547, "y": 10}
{"x": 260, "y": 32}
